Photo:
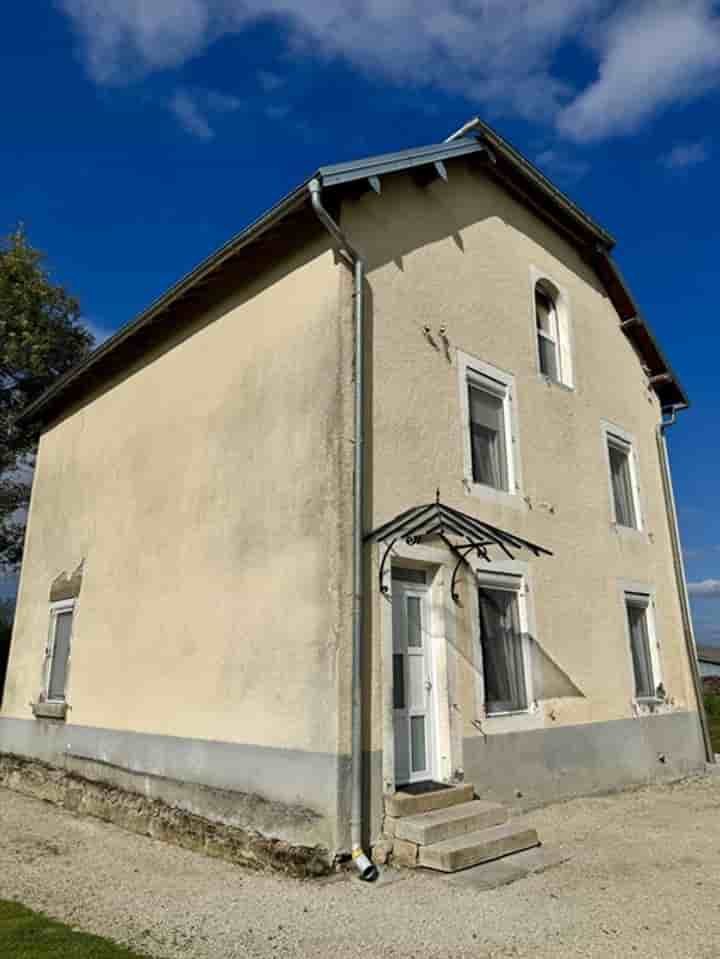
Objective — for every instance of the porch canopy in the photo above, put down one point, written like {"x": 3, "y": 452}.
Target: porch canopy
{"x": 462, "y": 534}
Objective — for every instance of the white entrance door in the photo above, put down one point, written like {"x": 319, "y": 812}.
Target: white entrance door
{"x": 413, "y": 698}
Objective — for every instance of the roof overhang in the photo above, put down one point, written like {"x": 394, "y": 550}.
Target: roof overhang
{"x": 500, "y": 160}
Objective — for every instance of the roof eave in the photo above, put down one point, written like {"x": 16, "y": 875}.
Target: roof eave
{"x": 291, "y": 202}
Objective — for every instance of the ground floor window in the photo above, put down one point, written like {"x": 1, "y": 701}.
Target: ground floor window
{"x": 58, "y": 650}
{"x": 503, "y": 654}
{"x": 640, "y": 629}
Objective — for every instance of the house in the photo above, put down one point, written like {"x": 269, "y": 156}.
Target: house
{"x": 709, "y": 660}
{"x": 376, "y": 498}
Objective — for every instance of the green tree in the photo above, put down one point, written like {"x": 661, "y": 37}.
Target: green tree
{"x": 41, "y": 337}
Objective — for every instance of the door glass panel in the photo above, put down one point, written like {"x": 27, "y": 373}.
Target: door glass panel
{"x": 398, "y": 681}
{"x": 414, "y": 621}
{"x": 416, "y": 682}
{"x": 417, "y": 743}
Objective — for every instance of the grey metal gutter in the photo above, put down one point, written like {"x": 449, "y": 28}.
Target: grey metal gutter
{"x": 355, "y": 261}
{"x": 681, "y": 580}
{"x": 509, "y": 165}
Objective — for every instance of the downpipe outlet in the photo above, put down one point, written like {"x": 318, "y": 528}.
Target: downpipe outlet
{"x": 368, "y": 870}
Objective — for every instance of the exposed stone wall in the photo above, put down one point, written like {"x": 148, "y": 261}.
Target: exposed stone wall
{"x": 154, "y": 818}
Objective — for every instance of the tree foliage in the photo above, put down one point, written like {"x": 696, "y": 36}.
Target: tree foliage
{"x": 41, "y": 337}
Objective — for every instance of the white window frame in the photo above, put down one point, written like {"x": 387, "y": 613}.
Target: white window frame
{"x": 475, "y": 372}
{"x": 620, "y": 438}
{"x": 509, "y": 577}
{"x": 563, "y": 328}
{"x": 639, "y": 594}
{"x": 61, "y": 606}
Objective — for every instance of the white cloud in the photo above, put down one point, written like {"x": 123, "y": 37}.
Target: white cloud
{"x": 706, "y": 588}
{"x": 194, "y": 108}
{"x": 684, "y": 155}
{"x": 494, "y": 51}
{"x": 500, "y": 54}
{"x": 651, "y": 54}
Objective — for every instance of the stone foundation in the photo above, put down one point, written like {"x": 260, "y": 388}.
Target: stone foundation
{"x": 159, "y": 820}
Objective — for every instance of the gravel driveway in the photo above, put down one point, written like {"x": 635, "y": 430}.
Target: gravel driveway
{"x": 642, "y": 877}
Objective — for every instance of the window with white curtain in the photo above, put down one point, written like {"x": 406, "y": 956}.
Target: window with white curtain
{"x": 503, "y": 650}
{"x": 643, "y": 645}
{"x": 490, "y": 438}
{"x": 623, "y": 479}
{"x": 488, "y": 435}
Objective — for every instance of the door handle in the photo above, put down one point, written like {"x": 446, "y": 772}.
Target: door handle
{"x": 428, "y": 685}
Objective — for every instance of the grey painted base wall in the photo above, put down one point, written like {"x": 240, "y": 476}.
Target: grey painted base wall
{"x": 548, "y": 764}
{"x": 301, "y": 797}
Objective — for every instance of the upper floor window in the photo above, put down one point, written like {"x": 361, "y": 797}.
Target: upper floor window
{"x": 489, "y": 431}
{"x": 488, "y": 434}
{"x": 552, "y": 330}
{"x": 547, "y": 331}
{"x": 625, "y": 494}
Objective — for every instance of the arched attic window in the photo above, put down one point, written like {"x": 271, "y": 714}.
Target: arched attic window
{"x": 548, "y": 331}
{"x": 552, "y": 330}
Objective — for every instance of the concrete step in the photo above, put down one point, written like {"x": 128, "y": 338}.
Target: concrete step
{"x": 430, "y": 827}
{"x": 411, "y": 804}
{"x": 476, "y": 847}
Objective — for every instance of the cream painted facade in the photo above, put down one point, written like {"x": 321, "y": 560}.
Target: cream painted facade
{"x": 207, "y": 491}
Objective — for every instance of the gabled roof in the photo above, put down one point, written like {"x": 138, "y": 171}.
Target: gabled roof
{"x": 501, "y": 161}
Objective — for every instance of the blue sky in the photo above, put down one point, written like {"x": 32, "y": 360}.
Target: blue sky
{"x": 138, "y": 135}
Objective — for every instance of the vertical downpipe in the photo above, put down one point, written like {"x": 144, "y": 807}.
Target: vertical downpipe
{"x": 352, "y": 258}
{"x": 682, "y": 583}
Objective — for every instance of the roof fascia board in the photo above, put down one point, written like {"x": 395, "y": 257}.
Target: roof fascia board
{"x": 671, "y": 392}
{"x": 546, "y": 186}
{"x": 340, "y": 173}
{"x": 293, "y": 201}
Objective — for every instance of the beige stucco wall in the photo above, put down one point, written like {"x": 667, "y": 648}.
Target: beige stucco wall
{"x": 205, "y": 494}
{"x": 460, "y": 255}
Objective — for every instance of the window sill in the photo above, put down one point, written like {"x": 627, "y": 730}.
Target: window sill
{"x": 650, "y": 706}
{"x": 48, "y": 710}
{"x": 497, "y": 496}
{"x": 630, "y": 532}
{"x": 549, "y": 381}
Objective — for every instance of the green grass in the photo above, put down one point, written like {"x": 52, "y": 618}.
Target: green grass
{"x": 30, "y": 935}
{"x": 712, "y": 708}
